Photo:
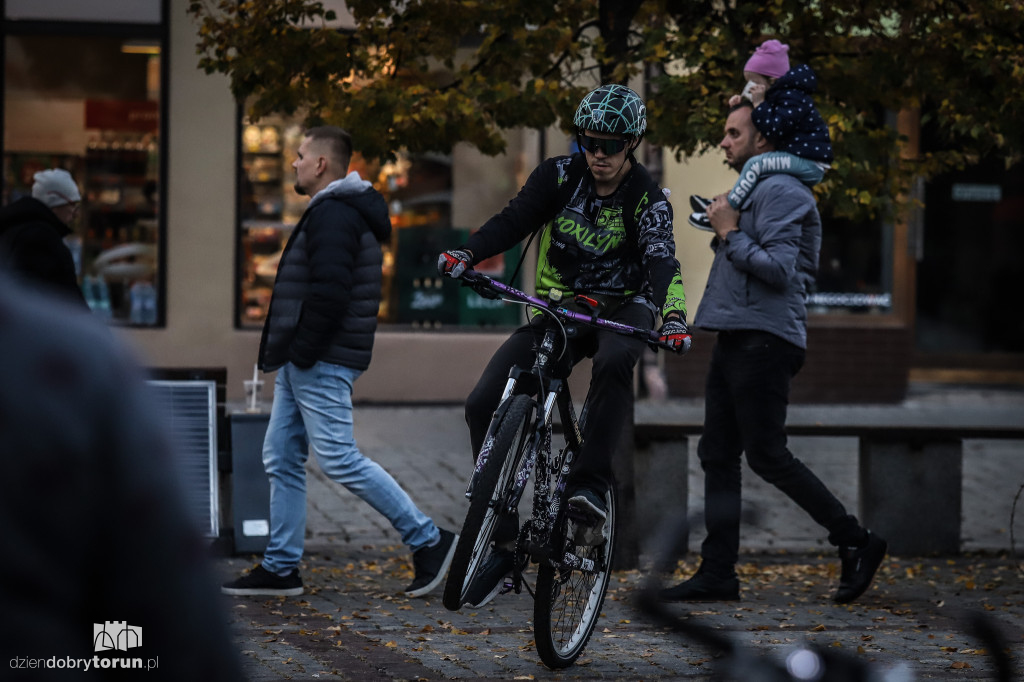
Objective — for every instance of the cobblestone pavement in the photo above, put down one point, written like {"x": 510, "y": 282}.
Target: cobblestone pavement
{"x": 354, "y": 623}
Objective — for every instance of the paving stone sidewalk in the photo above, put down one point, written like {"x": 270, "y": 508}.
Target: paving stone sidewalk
{"x": 354, "y": 623}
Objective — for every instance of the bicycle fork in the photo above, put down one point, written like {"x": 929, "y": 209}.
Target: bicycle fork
{"x": 548, "y": 390}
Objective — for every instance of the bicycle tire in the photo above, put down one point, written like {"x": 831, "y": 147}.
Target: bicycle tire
{"x": 512, "y": 436}
{"x": 568, "y": 602}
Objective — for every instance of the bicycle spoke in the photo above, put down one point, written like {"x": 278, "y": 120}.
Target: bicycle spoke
{"x": 570, "y": 594}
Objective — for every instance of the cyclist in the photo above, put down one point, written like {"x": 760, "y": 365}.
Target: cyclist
{"x": 606, "y": 233}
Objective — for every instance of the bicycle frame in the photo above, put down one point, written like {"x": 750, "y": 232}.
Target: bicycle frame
{"x": 574, "y": 565}
{"x": 551, "y": 392}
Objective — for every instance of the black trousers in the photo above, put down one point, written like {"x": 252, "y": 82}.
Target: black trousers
{"x": 615, "y": 357}
{"x": 745, "y": 403}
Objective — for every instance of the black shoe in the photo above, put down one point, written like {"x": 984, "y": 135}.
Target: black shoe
{"x": 700, "y": 221}
{"x": 703, "y": 586}
{"x": 431, "y": 564}
{"x": 490, "y": 579}
{"x": 592, "y": 513}
{"x": 858, "y": 568}
{"x": 261, "y": 581}
{"x": 699, "y": 204}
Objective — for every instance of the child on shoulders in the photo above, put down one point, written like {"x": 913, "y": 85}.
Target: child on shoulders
{"x": 785, "y": 114}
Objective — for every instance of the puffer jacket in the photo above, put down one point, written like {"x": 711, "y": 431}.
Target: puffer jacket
{"x": 762, "y": 274}
{"x": 789, "y": 119}
{"x": 328, "y": 286}
{"x": 32, "y": 247}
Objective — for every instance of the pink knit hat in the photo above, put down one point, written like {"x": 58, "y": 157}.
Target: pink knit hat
{"x": 769, "y": 60}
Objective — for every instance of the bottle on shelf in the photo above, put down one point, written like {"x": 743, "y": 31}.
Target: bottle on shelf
{"x": 143, "y": 304}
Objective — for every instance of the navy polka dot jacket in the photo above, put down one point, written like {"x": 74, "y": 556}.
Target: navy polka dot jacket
{"x": 789, "y": 119}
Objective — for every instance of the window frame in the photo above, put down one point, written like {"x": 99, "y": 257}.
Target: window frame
{"x": 87, "y": 29}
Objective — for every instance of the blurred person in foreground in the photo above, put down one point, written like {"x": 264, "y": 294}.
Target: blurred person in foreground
{"x": 32, "y": 232}
{"x": 95, "y": 530}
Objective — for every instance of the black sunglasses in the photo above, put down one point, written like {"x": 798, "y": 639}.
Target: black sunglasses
{"x": 609, "y": 147}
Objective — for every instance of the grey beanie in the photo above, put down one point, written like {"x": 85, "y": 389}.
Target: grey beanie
{"x": 55, "y": 188}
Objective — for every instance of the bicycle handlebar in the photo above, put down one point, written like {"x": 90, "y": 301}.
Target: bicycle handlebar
{"x": 489, "y": 287}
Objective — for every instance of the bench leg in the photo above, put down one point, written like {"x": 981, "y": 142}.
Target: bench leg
{"x": 661, "y": 480}
{"x": 910, "y": 494}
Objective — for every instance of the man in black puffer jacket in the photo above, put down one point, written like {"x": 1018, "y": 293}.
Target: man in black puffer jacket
{"x": 32, "y": 232}
{"x": 319, "y": 337}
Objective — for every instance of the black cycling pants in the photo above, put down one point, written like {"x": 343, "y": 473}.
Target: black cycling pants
{"x": 745, "y": 404}
{"x": 615, "y": 356}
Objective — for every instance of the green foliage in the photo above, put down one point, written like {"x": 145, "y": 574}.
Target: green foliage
{"x": 425, "y": 74}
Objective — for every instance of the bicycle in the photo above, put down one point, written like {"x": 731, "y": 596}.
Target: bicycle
{"x": 572, "y": 578}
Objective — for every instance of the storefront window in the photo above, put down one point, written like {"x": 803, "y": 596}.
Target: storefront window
{"x": 87, "y": 99}
{"x": 854, "y": 269}
{"x": 418, "y": 191}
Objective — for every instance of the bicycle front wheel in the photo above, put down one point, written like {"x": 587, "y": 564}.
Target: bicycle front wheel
{"x": 491, "y": 494}
{"x": 570, "y": 592}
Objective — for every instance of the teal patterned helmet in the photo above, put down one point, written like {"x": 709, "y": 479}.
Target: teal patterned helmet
{"x": 612, "y": 109}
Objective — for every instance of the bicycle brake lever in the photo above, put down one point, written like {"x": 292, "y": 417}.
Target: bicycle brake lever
{"x": 591, "y": 305}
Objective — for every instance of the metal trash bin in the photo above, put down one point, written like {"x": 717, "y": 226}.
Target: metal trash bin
{"x": 250, "y": 490}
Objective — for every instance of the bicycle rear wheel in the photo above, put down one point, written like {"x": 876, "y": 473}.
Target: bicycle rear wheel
{"x": 570, "y": 592}
{"x": 490, "y": 494}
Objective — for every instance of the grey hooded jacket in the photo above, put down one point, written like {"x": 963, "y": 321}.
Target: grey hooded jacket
{"x": 761, "y": 275}
{"x": 328, "y": 286}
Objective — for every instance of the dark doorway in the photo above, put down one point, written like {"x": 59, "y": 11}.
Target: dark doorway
{"x": 970, "y": 281}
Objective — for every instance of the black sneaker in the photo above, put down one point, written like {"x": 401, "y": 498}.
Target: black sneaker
{"x": 490, "y": 579}
{"x": 699, "y": 204}
{"x": 858, "y": 568}
{"x": 703, "y": 586}
{"x": 431, "y": 564}
{"x": 700, "y": 221}
{"x": 589, "y": 517}
{"x": 260, "y": 581}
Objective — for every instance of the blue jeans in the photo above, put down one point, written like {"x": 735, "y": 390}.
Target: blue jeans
{"x": 745, "y": 404}
{"x": 313, "y": 410}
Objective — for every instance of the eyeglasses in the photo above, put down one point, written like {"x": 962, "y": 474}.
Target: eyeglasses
{"x": 71, "y": 207}
{"x": 609, "y": 147}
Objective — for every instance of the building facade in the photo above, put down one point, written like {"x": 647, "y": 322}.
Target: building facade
{"x": 187, "y": 204}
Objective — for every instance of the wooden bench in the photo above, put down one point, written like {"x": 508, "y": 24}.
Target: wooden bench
{"x": 910, "y": 462}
